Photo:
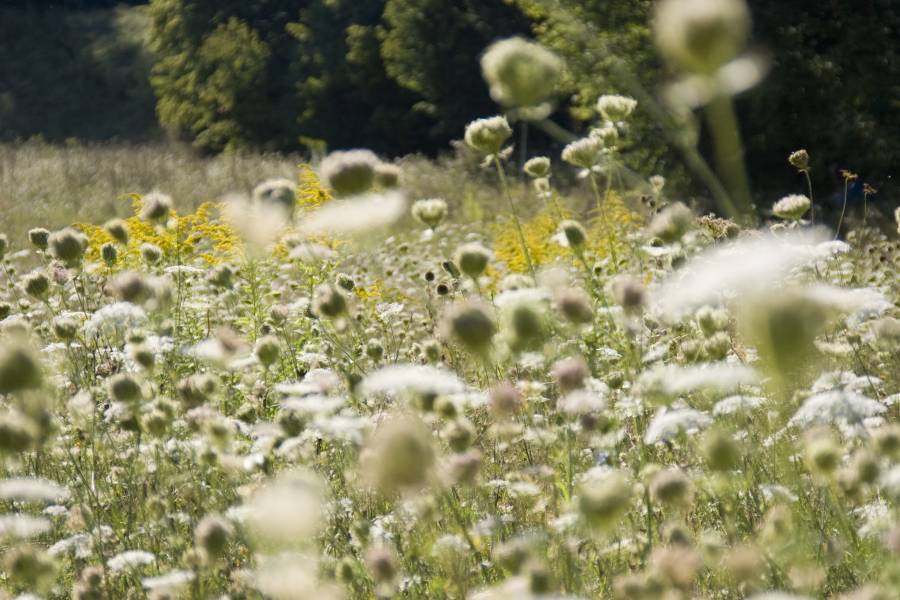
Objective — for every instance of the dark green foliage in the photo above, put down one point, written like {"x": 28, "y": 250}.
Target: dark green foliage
{"x": 834, "y": 89}
{"x": 438, "y": 58}
{"x": 74, "y": 74}
{"x": 344, "y": 98}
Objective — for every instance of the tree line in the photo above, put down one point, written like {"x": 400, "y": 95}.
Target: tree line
{"x": 402, "y": 76}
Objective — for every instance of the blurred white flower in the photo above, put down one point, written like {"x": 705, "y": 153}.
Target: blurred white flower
{"x": 32, "y": 490}
{"x": 355, "y": 215}
{"x": 130, "y": 559}
{"x": 422, "y": 379}
{"x": 741, "y": 267}
{"x": 114, "y": 319}
{"x": 836, "y": 407}
{"x": 667, "y": 424}
{"x": 22, "y": 526}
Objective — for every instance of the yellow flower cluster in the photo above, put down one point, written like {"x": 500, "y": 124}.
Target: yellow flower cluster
{"x": 185, "y": 239}
{"x": 606, "y": 232}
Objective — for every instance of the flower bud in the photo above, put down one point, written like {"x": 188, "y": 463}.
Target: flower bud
{"x": 799, "y": 160}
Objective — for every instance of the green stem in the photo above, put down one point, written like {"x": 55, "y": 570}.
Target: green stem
{"x": 602, "y": 205}
{"x": 729, "y": 150}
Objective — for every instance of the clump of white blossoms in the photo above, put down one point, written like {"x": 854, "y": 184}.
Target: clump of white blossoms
{"x": 791, "y": 208}
{"x": 520, "y": 73}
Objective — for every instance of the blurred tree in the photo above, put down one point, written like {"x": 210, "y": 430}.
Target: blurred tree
{"x": 68, "y": 73}
{"x": 433, "y": 47}
{"x": 222, "y": 72}
{"x": 344, "y": 98}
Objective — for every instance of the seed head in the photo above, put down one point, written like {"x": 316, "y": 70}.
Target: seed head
{"x": 151, "y": 253}
{"x": 575, "y": 234}
{"x": 471, "y": 324}
{"x": 328, "y": 301}
{"x": 799, "y": 159}
{"x": 156, "y": 207}
{"x": 671, "y": 487}
{"x": 124, "y": 388}
{"x": 575, "y": 305}
{"x": 19, "y": 369}
{"x": 68, "y": 245}
{"x": 39, "y": 237}
{"x": 672, "y": 223}
{"x": 349, "y": 172}
{"x": 267, "y": 350}
{"x": 399, "y": 455}
{"x": 109, "y": 253}
{"x": 601, "y": 502}
{"x": 276, "y": 193}
{"x": 212, "y": 536}
{"x": 118, "y": 230}
{"x": 36, "y": 284}
{"x": 387, "y": 176}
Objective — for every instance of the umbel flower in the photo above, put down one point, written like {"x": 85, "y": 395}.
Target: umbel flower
{"x": 615, "y": 108}
{"x": 521, "y": 74}
{"x": 429, "y": 212}
{"x": 701, "y": 35}
{"x": 791, "y": 208}
{"x": 488, "y": 135}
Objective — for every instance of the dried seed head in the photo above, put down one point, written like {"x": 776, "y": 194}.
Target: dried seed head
{"x": 349, "y": 172}
{"x": 39, "y": 237}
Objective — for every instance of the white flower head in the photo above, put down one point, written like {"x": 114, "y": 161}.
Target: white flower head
{"x": 130, "y": 559}
{"x": 32, "y": 490}
{"x": 422, "y": 379}
{"x": 356, "y": 215}
{"x": 836, "y": 407}
{"x": 668, "y": 424}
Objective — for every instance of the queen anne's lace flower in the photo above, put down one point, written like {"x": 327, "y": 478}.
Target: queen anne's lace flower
{"x": 667, "y": 424}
